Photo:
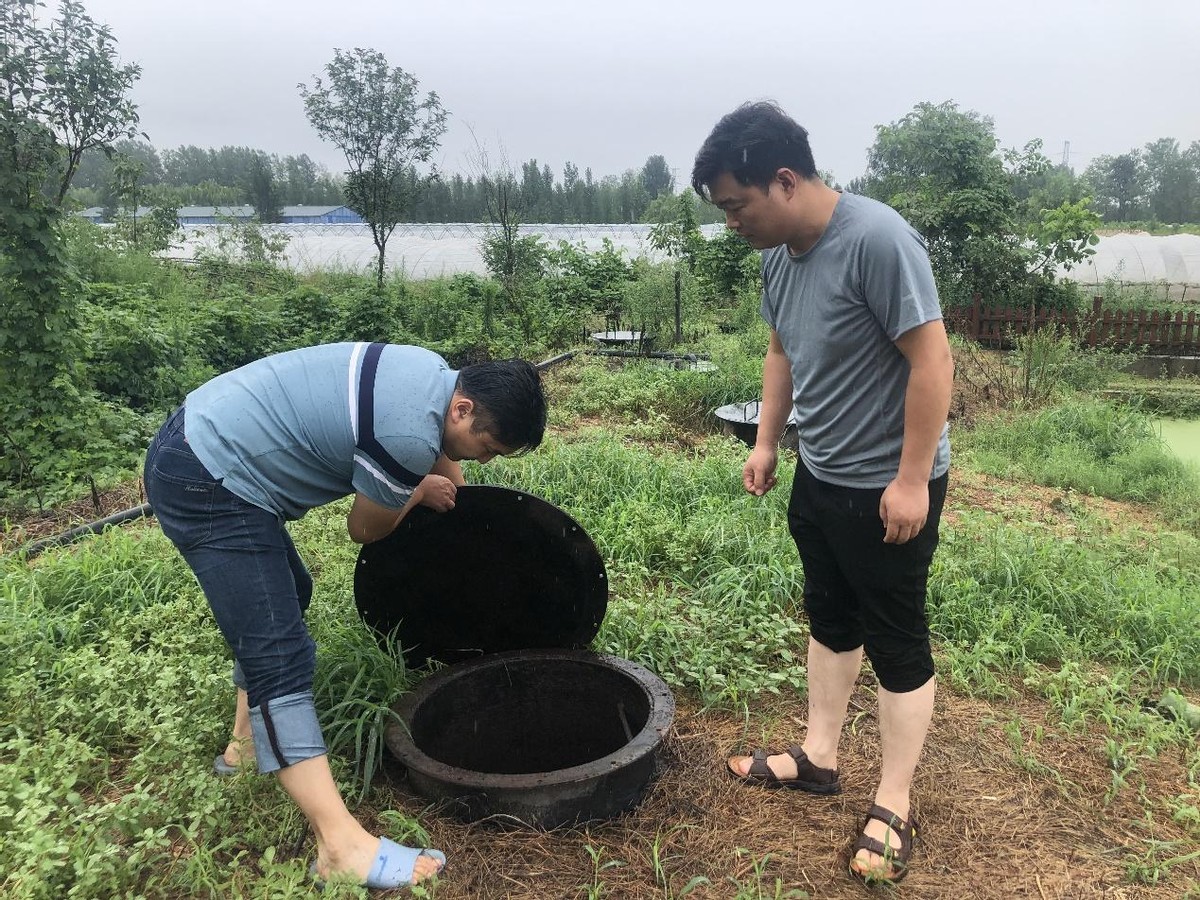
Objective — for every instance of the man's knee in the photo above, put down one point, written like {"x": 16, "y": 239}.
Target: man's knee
{"x": 901, "y": 668}
{"x": 279, "y": 671}
{"x": 840, "y": 637}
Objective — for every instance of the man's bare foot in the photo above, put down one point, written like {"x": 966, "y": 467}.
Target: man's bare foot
{"x": 239, "y": 752}
{"x": 894, "y": 835}
{"x": 367, "y": 862}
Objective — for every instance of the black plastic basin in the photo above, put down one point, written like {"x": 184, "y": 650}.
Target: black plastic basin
{"x": 541, "y": 737}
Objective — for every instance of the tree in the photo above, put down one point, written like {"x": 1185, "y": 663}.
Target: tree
{"x": 52, "y": 428}
{"x": 375, "y": 116}
{"x": 942, "y": 169}
{"x": 513, "y": 259}
{"x": 939, "y": 167}
{"x": 1118, "y": 184}
{"x": 680, "y": 239}
{"x": 86, "y": 100}
{"x": 262, "y": 192}
{"x": 657, "y": 177}
{"x": 1172, "y": 182}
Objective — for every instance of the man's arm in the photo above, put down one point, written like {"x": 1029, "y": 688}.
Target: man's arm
{"x": 369, "y": 522}
{"x": 448, "y": 468}
{"x": 758, "y": 475}
{"x": 905, "y": 502}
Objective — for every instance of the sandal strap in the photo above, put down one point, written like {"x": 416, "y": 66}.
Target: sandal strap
{"x": 907, "y": 830}
{"x": 758, "y": 766}
{"x": 872, "y": 845}
{"x": 807, "y": 770}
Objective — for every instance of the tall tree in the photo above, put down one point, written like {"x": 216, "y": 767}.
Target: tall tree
{"x": 657, "y": 177}
{"x": 1118, "y": 184}
{"x": 51, "y": 426}
{"x": 942, "y": 169}
{"x": 375, "y": 116}
{"x": 262, "y": 191}
{"x": 1171, "y": 182}
{"x": 86, "y": 89}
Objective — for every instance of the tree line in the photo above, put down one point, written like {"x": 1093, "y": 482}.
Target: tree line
{"x": 1157, "y": 183}
{"x": 228, "y": 176}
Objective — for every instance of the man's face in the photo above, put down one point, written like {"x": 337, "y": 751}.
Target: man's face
{"x": 755, "y": 214}
{"x": 461, "y": 441}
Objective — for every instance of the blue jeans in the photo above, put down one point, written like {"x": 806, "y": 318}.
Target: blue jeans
{"x": 256, "y": 585}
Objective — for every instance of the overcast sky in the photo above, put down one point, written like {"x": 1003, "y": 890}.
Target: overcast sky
{"x": 607, "y": 84}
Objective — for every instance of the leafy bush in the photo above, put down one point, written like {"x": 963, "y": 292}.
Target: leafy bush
{"x": 726, "y": 265}
{"x": 136, "y": 353}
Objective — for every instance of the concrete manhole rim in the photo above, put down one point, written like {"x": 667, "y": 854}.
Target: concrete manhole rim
{"x": 661, "y": 714}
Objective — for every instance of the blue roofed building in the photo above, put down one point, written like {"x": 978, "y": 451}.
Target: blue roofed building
{"x": 214, "y": 215}
{"x": 320, "y": 215}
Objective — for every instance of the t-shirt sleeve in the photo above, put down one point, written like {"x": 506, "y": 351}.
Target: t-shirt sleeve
{"x": 767, "y": 307}
{"x": 897, "y": 279}
{"x": 390, "y": 481}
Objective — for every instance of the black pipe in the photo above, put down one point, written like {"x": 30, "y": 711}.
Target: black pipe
{"x": 555, "y": 360}
{"x": 127, "y": 515}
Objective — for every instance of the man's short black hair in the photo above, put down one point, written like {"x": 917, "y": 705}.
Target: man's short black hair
{"x": 752, "y": 143}
{"x": 510, "y": 404}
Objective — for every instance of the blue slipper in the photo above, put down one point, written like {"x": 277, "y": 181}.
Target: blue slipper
{"x": 393, "y": 866}
{"x": 222, "y": 768}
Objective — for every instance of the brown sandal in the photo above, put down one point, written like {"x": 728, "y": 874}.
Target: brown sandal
{"x": 809, "y": 777}
{"x": 896, "y": 859}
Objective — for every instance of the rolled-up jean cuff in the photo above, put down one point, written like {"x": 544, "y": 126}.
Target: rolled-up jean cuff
{"x": 239, "y": 677}
{"x": 286, "y": 731}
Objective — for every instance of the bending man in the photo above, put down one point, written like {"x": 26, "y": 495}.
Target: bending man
{"x": 263, "y": 444}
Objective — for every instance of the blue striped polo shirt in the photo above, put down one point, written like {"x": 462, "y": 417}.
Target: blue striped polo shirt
{"x": 300, "y": 429}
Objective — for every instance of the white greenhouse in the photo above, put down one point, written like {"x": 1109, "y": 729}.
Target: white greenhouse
{"x": 1170, "y": 263}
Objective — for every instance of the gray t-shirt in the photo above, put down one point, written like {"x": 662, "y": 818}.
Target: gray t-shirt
{"x": 838, "y": 309}
{"x": 299, "y": 429}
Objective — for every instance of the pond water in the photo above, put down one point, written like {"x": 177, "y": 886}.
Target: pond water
{"x": 419, "y": 250}
{"x": 1183, "y": 437}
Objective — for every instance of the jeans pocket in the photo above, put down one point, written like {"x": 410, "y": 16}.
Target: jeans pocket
{"x": 182, "y": 493}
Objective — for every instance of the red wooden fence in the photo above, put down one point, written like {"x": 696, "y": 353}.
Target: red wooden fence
{"x": 1127, "y": 329}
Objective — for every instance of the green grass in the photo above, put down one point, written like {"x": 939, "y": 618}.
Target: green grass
{"x": 115, "y": 683}
{"x": 1092, "y": 446}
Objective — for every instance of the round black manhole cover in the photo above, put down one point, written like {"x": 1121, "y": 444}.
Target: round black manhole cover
{"x": 503, "y": 570}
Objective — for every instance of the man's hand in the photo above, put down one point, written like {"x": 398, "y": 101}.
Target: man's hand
{"x": 903, "y": 509}
{"x": 437, "y": 492}
{"x": 758, "y": 475}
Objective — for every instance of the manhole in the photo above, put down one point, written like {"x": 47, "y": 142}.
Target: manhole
{"x": 741, "y": 421}
{"x": 523, "y": 724}
{"x": 543, "y": 738}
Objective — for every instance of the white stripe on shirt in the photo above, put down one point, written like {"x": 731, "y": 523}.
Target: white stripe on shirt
{"x": 401, "y": 491}
{"x": 352, "y": 387}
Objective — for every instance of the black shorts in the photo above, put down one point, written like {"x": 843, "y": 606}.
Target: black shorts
{"x": 859, "y": 591}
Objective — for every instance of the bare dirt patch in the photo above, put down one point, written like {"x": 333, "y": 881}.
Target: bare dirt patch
{"x": 990, "y": 827}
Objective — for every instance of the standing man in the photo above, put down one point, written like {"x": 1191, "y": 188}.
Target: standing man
{"x": 263, "y": 444}
{"x": 859, "y": 350}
